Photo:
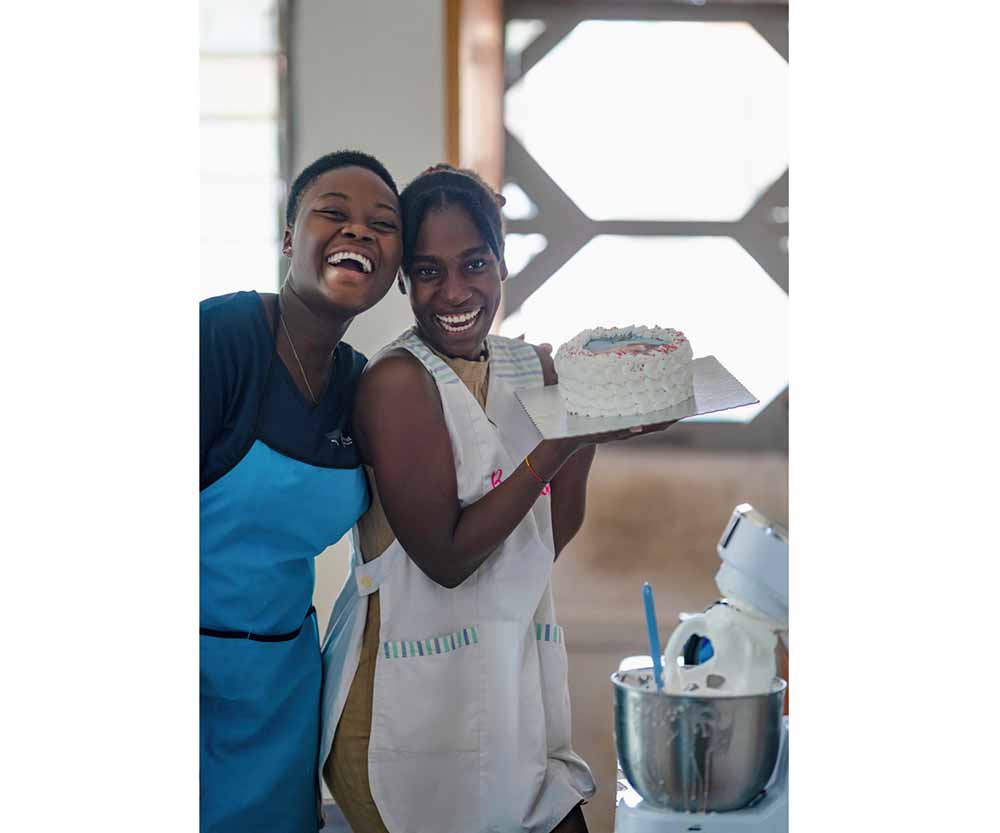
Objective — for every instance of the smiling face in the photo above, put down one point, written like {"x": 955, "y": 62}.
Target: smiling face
{"x": 345, "y": 245}
{"x": 454, "y": 282}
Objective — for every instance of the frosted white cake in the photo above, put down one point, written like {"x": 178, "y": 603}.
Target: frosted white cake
{"x": 625, "y": 371}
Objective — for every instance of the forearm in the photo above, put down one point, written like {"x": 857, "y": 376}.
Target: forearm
{"x": 481, "y": 527}
{"x": 569, "y": 496}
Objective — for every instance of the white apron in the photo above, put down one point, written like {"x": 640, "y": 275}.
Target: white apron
{"x": 470, "y": 719}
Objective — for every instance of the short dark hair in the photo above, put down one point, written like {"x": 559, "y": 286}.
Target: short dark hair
{"x": 443, "y": 185}
{"x": 338, "y": 159}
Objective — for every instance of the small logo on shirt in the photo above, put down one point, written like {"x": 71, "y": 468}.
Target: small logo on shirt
{"x": 339, "y": 439}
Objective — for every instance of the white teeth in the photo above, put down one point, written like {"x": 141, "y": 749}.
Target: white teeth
{"x": 458, "y": 323}
{"x": 461, "y": 318}
{"x": 360, "y": 259}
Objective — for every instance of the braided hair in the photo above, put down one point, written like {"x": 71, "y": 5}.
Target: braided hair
{"x": 338, "y": 159}
{"x": 443, "y": 185}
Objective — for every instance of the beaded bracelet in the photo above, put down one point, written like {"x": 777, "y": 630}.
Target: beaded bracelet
{"x": 534, "y": 473}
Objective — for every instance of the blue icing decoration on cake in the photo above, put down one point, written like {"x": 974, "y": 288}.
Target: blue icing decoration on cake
{"x": 603, "y": 345}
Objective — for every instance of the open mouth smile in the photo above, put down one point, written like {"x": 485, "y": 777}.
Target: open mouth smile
{"x": 458, "y": 322}
{"x": 355, "y": 261}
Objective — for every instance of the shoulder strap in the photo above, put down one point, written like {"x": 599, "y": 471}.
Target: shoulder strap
{"x": 515, "y": 362}
{"x": 411, "y": 342}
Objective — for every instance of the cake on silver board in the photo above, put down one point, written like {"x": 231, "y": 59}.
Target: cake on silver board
{"x": 625, "y": 371}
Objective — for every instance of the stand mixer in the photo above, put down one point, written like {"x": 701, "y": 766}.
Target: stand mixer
{"x": 709, "y": 752}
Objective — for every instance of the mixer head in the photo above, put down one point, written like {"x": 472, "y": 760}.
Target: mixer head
{"x": 754, "y": 571}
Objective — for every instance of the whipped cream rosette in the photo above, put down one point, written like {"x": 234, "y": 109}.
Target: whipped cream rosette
{"x": 625, "y": 371}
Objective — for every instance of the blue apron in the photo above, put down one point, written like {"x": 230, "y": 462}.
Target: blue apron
{"x": 262, "y": 524}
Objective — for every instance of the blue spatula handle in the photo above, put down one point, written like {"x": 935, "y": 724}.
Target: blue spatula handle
{"x": 654, "y": 637}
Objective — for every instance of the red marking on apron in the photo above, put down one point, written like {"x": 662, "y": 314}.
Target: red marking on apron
{"x": 546, "y": 489}
{"x": 496, "y": 477}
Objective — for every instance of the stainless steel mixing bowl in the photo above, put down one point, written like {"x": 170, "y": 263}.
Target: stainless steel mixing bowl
{"x": 696, "y": 754}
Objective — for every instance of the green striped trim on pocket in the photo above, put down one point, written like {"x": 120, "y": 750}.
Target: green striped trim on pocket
{"x": 444, "y": 644}
{"x": 545, "y": 632}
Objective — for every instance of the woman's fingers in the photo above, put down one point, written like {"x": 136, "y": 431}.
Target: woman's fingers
{"x": 612, "y": 436}
{"x": 544, "y": 353}
{"x": 628, "y": 433}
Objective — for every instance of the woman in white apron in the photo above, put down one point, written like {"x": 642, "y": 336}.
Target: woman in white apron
{"x": 445, "y": 704}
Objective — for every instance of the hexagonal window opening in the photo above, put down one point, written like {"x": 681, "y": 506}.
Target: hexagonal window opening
{"x": 519, "y": 34}
{"x": 657, "y": 120}
{"x": 709, "y": 287}
{"x": 521, "y": 249}
{"x": 518, "y": 205}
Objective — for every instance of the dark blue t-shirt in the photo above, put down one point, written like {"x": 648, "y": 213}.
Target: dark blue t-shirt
{"x": 247, "y": 393}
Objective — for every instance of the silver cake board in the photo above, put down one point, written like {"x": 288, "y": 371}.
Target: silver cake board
{"x": 715, "y": 389}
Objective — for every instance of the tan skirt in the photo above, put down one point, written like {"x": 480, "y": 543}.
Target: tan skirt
{"x": 346, "y": 769}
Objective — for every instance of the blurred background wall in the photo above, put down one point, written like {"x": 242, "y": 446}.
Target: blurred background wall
{"x": 642, "y": 147}
{"x": 370, "y": 76}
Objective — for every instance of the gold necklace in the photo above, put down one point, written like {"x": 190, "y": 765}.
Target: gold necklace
{"x": 298, "y": 361}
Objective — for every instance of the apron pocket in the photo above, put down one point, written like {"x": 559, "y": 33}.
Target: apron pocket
{"x": 424, "y": 752}
{"x": 555, "y": 687}
{"x": 426, "y": 696}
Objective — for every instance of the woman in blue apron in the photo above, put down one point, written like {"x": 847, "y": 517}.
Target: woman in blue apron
{"x": 280, "y": 482}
